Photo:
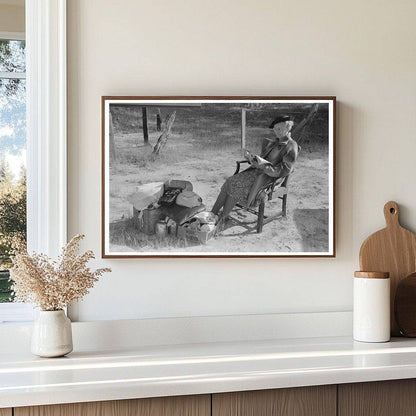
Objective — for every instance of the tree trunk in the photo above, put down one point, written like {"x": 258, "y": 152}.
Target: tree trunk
{"x": 299, "y": 130}
{"x": 161, "y": 142}
{"x": 113, "y": 155}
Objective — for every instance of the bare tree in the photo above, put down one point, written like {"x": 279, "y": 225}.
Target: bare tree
{"x": 161, "y": 142}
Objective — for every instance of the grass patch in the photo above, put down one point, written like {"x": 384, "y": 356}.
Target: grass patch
{"x": 126, "y": 233}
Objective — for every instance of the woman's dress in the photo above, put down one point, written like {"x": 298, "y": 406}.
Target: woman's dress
{"x": 239, "y": 185}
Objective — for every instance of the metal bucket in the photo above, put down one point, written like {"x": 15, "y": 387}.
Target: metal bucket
{"x": 161, "y": 229}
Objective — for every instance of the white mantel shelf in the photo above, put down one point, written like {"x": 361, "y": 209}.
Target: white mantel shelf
{"x": 151, "y": 371}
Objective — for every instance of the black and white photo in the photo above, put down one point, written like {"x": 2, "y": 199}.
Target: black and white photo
{"x": 218, "y": 176}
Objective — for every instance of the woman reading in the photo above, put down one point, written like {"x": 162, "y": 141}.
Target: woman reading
{"x": 276, "y": 160}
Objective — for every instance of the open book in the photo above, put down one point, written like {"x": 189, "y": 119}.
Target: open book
{"x": 256, "y": 160}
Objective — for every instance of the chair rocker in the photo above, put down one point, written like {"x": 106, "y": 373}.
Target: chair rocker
{"x": 279, "y": 186}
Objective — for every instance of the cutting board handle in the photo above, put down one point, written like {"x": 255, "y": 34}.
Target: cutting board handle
{"x": 391, "y": 214}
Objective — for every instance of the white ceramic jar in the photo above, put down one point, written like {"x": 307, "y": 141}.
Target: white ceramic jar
{"x": 52, "y": 334}
{"x": 371, "y": 305}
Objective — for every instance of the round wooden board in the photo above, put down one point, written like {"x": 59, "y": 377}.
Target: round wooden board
{"x": 393, "y": 250}
{"x": 405, "y": 306}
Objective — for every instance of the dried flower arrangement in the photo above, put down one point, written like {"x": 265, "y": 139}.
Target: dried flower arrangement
{"x": 53, "y": 285}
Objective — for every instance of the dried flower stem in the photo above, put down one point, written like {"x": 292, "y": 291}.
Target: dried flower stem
{"x": 53, "y": 285}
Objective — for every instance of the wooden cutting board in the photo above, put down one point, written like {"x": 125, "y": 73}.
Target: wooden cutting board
{"x": 393, "y": 250}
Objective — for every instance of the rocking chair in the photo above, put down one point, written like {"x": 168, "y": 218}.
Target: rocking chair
{"x": 278, "y": 185}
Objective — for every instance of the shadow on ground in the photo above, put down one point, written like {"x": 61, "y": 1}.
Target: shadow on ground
{"x": 312, "y": 225}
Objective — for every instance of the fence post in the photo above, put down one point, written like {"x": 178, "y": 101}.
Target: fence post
{"x": 243, "y": 128}
{"x": 159, "y": 120}
{"x": 145, "y": 130}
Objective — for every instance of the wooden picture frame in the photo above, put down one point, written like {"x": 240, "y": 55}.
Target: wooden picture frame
{"x": 151, "y": 140}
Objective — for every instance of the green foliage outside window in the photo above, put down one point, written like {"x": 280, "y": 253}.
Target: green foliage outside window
{"x": 12, "y": 223}
{"x": 12, "y": 144}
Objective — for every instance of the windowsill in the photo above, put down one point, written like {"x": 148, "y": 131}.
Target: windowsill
{"x": 16, "y": 313}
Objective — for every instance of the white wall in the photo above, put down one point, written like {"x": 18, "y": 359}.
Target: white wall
{"x": 361, "y": 51}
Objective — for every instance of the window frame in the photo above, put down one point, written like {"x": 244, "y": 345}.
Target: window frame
{"x": 46, "y": 137}
{"x": 12, "y": 35}
{"x": 46, "y": 125}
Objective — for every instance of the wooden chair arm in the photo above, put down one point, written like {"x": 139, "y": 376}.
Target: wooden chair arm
{"x": 239, "y": 163}
{"x": 278, "y": 185}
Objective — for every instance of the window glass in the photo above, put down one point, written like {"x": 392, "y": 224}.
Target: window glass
{"x": 12, "y": 56}
{"x": 12, "y": 156}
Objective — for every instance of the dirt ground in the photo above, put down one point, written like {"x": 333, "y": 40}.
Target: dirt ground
{"x": 206, "y": 158}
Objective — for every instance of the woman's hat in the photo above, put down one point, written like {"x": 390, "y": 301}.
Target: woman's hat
{"x": 279, "y": 119}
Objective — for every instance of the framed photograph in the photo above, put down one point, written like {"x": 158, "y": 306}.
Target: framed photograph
{"x": 218, "y": 177}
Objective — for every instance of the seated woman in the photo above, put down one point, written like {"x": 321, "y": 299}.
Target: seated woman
{"x": 281, "y": 152}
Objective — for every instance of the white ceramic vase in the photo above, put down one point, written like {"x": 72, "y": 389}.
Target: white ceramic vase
{"x": 52, "y": 334}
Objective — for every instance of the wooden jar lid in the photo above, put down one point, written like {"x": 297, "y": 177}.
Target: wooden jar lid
{"x": 372, "y": 275}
